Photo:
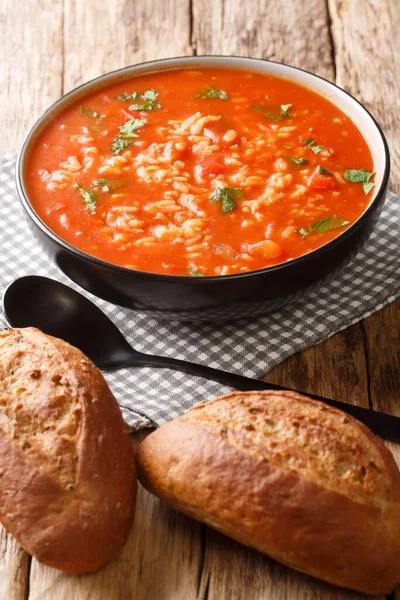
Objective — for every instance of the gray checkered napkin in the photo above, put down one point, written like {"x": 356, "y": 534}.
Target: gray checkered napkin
{"x": 248, "y": 347}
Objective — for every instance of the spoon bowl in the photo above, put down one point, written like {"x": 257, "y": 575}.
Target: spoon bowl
{"x": 60, "y": 311}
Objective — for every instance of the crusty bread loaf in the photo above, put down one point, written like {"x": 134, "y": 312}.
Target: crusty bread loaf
{"x": 291, "y": 477}
{"x": 67, "y": 474}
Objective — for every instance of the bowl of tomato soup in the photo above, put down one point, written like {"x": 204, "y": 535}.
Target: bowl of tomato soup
{"x": 203, "y": 187}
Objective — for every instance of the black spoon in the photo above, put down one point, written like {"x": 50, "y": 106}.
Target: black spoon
{"x": 60, "y": 311}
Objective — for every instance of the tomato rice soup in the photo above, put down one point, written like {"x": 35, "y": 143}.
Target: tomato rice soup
{"x": 200, "y": 172}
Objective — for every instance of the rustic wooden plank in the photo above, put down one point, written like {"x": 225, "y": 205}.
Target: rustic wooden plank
{"x": 232, "y": 571}
{"x": 27, "y": 89}
{"x": 366, "y": 44}
{"x": 30, "y": 67}
{"x": 133, "y": 32}
{"x": 161, "y": 557}
{"x": 14, "y": 568}
{"x": 367, "y": 47}
{"x": 336, "y": 368}
{"x": 160, "y": 560}
{"x": 295, "y": 31}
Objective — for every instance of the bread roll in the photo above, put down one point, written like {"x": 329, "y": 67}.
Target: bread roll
{"x": 67, "y": 474}
{"x": 291, "y": 477}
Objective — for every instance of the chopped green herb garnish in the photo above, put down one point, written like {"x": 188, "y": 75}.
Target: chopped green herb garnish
{"x": 127, "y": 97}
{"x": 285, "y": 110}
{"x": 210, "y": 92}
{"x": 149, "y": 101}
{"x": 94, "y": 116}
{"x": 367, "y": 186}
{"x": 324, "y": 225}
{"x": 151, "y": 95}
{"x": 89, "y": 198}
{"x": 90, "y": 112}
{"x": 227, "y": 197}
{"x": 287, "y": 147}
{"x": 127, "y": 134}
{"x": 196, "y": 274}
{"x": 119, "y": 144}
{"x": 297, "y": 160}
{"x": 323, "y": 172}
{"x": 360, "y": 176}
{"x": 284, "y": 113}
{"x": 109, "y": 185}
{"x": 311, "y": 144}
{"x": 128, "y": 129}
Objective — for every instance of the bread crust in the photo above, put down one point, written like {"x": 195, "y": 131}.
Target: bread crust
{"x": 350, "y": 539}
{"x": 67, "y": 472}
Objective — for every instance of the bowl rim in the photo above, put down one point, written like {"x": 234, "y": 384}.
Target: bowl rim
{"x": 23, "y": 195}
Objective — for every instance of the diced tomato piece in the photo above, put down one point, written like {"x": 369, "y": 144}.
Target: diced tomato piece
{"x": 317, "y": 182}
{"x": 212, "y": 165}
{"x": 268, "y": 248}
{"x": 265, "y": 159}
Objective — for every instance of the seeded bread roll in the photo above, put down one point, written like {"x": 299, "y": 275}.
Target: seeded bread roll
{"x": 291, "y": 477}
{"x": 67, "y": 474}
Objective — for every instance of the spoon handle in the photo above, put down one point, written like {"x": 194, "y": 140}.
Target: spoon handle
{"x": 386, "y": 426}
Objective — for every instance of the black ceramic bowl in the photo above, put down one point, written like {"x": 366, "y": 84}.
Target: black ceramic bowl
{"x": 223, "y": 297}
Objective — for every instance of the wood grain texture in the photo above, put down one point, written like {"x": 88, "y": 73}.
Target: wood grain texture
{"x": 232, "y": 571}
{"x": 30, "y": 65}
{"x": 14, "y": 568}
{"x": 367, "y": 54}
{"x": 48, "y": 47}
{"x": 367, "y": 51}
{"x": 160, "y": 560}
{"x": 294, "y": 31}
{"x": 27, "y": 88}
{"x": 103, "y": 36}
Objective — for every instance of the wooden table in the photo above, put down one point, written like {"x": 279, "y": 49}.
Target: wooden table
{"x": 47, "y": 48}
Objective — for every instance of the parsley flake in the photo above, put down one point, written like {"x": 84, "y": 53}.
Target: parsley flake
{"x": 285, "y": 110}
{"x": 108, "y": 185}
{"x": 119, "y": 144}
{"x": 90, "y": 112}
{"x": 127, "y": 97}
{"x": 127, "y": 134}
{"x": 357, "y": 175}
{"x": 360, "y": 176}
{"x": 89, "y": 198}
{"x": 227, "y": 197}
{"x": 274, "y": 116}
{"x": 128, "y": 129}
{"x": 149, "y": 100}
{"x": 367, "y": 186}
{"x": 324, "y": 225}
{"x": 323, "y": 172}
{"x": 297, "y": 160}
{"x": 311, "y": 144}
{"x": 94, "y": 116}
{"x": 210, "y": 92}
{"x": 196, "y": 274}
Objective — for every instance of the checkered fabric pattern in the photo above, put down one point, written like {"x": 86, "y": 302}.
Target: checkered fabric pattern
{"x": 248, "y": 347}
